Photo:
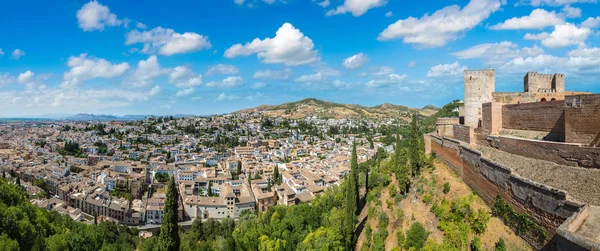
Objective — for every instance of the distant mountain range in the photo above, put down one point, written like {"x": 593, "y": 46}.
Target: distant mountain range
{"x": 322, "y": 109}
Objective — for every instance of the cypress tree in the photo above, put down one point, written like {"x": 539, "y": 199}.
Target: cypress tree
{"x": 351, "y": 203}
{"x": 168, "y": 239}
{"x": 354, "y": 166}
{"x": 415, "y": 158}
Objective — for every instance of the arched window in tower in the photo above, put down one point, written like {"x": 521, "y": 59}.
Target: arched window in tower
{"x": 543, "y": 99}
{"x": 553, "y": 99}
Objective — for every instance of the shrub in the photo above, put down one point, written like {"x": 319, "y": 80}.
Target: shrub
{"x": 416, "y": 236}
{"x": 500, "y": 245}
{"x": 446, "y": 188}
{"x": 400, "y": 238}
{"x": 476, "y": 244}
{"x": 427, "y": 198}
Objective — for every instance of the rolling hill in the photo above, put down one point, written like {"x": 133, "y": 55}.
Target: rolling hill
{"x": 322, "y": 109}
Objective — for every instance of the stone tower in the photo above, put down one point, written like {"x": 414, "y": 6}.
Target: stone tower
{"x": 534, "y": 82}
{"x": 479, "y": 86}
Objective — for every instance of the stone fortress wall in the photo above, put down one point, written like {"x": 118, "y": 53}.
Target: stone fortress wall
{"x": 569, "y": 121}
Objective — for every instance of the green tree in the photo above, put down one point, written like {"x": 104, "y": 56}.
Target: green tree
{"x": 276, "y": 175}
{"x": 416, "y": 236}
{"x": 6, "y": 244}
{"x": 414, "y": 142}
{"x": 169, "y": 230}
{"x": 476, "y": 244}
{"x": 351, "y": 205}
{"x": 210, "y": 192}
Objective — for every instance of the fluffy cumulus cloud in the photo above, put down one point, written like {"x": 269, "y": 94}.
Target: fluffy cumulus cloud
{"x": 356, "y": 7}
{"x": 578, "y": 61}
{"x": 184, "y": 77}
{"x": 538, "y": 19}
{"x": 571, "y": 12}
{"x": 386, "y": 80}
{"x": 282, "y": 74}
{"x": 222, "y": 69}
{"x": 446, "y": 70}
{"x": 444, "y": 25}
{"x": 17, "y": 54}
{"x": 498, "y": 53}
{"x": 553, "y": 2}
{"x": 167, "y": 41}
{"x": 84, "y": 68}
{"x": 224, "y": 96}
{"x": 185, "y": 92}
{"x": 355, "y": 62}
{"x": 322, "y": 3}
{"x": 289, "y": 47}
{"x": 154, "y": 91}
{"x": 228, "y": 82}
{"x": 591, "y": 22}
{"x": 95, "y": 16}
{"x": 146, "y": 71}
{"x": 563, "y": 35}
{"x": 25, "y": 76}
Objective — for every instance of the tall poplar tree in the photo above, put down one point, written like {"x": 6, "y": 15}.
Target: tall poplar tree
{"x": 169, "y": 230}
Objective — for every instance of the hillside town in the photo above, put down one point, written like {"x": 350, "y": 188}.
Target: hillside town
{"x": 223, "y": 165}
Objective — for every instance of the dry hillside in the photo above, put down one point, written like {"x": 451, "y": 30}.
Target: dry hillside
{"x": 323, "y": 109}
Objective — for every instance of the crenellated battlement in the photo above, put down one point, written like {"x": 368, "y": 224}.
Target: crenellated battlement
{"x": 486, "y": 72}
{"x": 534, "y": 81}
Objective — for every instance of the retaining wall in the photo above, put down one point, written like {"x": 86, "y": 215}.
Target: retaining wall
{"x": 546, "y": 116}
{"x": 549, "y": 207}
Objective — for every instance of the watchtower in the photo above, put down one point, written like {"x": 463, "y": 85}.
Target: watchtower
{"x": 479, "y": 86}
{"x": 534, "y": 82}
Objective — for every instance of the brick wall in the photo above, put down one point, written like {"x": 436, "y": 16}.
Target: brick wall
{"x": 546, "y": 116}
{"x": 549, "y": 207}
{"x": 464, "y": 133}
{"x": 582, "y": 114}
{"x": 560, "y": 153}
{"x": 491, "y": 118}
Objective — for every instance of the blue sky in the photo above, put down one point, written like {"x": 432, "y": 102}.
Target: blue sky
{"x": 215, "y": 56}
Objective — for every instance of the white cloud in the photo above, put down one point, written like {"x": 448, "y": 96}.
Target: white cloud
{"x": 356, "y": 7}
{"x": 563, "y": 35}
{"x": 222, "y": 69}
{"x": 17, "y": 54}
{"x": 289, "y": 46}
{"x": 571, "y": 12}
{"x": 340, "y": 84}
{"x": 444, "y": 70}
{"x": 185, "y": 92}
{"x": 1, "y": 52}
{"x": 184, "y": 77}
{"x": 154, "y": 91}
{"x": 319, "y": 76}
{"x": 381, "y": 71}
{"x": 389, "y": 14}
{"x": 282, "y": 74}
{"x": 146, "y": 71}
{"x": 140, "y": 25}
{"x": 167, "y": 41}
{"x": 553, "y": 2}
{"x": 591, "y": 22}
{"x": 387, "y": 80}
{"x": 324, "y": 3}
{"x": 95, "y": 16}
{"x": 497, "y": 53}
{"x": 228, "y": 82}
{"x": 355, "y": 62}
{"x": 25, "y": 76}
{"x": 258, "y": 85}
{"x": 538, "y": 19}
{"x": 6, "y": 79}
{"x": 444, "y": 25}
{"x": 85, "y": 68}
{"x": 578, "y": 61}
{"x": 224, "y": 96}
{"x": 412, "y": 63}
